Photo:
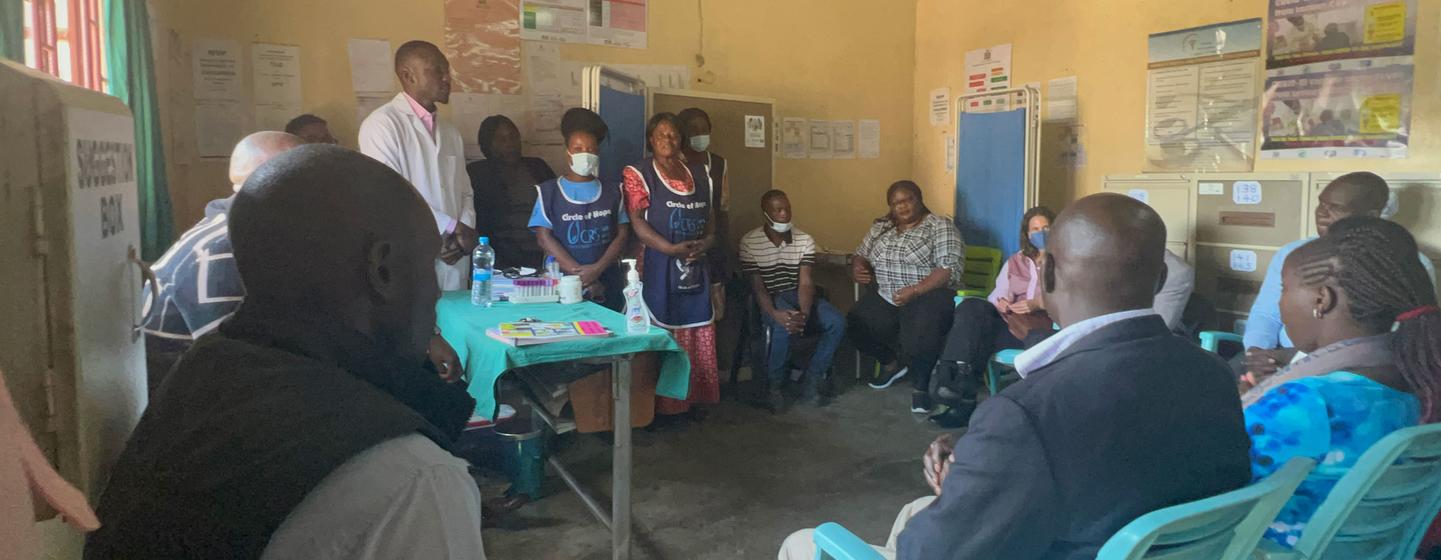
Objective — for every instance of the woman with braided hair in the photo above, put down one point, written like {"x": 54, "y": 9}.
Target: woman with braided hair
{"x": 1362, "y": 307}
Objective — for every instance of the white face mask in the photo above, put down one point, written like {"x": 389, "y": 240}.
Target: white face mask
{"x": 584, "y": 164}
{"x": 778, "y": 227}
{"x": 700, "y": 142}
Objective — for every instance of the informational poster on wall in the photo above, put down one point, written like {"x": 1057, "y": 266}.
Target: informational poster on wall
{"x": 870, "y": 139}
{"x": 277, "y": 84}
{"x": 1339, "y": 79}
{"x": 618, "y": 23}
{"x": 755, "y": 131}
{"x": 372, "y": 74}
{"x": 219, "y": 112}
{"x": 482, "y": 41}
{"x": 843, "y": 140}
{"x": 988, "y": 69}
{"x": 561, "y": 21}
{"x": 1201, "y": 98}
{"x": 793, "y": 138}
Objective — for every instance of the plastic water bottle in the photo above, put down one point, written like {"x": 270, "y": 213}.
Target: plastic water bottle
{"x": 482, "y": 270}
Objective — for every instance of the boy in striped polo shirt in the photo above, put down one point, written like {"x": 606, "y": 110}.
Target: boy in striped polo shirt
{"x": 778, "y": 259}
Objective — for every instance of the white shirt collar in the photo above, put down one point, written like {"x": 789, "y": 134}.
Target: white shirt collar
{"x": 1041, "y": 355}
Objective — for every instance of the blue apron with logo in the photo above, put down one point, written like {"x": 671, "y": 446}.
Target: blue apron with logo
{"x": 677, "y": 291}
{"x": 586, "y": 229}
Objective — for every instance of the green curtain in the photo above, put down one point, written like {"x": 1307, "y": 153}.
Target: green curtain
{"x": 132, "y": 79}
{"x": 12, "y": 29}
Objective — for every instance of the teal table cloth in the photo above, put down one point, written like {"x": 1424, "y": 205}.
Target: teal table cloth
{"x": 463, "y": 325}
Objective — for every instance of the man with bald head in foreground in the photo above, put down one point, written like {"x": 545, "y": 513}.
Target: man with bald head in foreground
{"x": 1115, "y": 416}
{"x": 197, "y": 286}
{"x": 305, "y": 426}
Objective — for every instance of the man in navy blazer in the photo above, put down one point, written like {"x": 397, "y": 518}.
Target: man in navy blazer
{"x": 1115, "y": 417}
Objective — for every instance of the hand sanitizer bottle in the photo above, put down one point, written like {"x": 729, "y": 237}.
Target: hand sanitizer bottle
{"x": 637, "y": 321}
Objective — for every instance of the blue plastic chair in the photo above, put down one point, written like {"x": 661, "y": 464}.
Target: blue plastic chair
{"x": 1211, "y": 340}
{"x": 993, "y": 374}
{"x": 834, "y": 541}
{"x": 1381, "y": 508}
{"x": 1224, "y": 527}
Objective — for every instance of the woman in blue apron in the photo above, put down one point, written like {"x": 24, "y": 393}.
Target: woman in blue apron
{"x": 671, "y": 212}
{"x": 580, "y": 221}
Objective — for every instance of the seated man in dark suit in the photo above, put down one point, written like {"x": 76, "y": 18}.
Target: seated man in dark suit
{"x": 1115, "y": 416}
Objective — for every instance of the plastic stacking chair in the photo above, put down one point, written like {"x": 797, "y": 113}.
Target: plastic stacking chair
{"x": 979, "y": 274}
{"x": 1211, "y": 340}
{"x": 1224, "y": 527}
{"x": 1381, "y": 508}
{"x": 835, "y": 541}
{"x": 1005, "y": 358}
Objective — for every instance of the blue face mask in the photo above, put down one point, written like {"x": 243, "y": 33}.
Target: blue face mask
{"x": 1038, "y": 239}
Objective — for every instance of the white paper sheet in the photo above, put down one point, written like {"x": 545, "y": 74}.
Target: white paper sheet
{"x": 372, "y": 66}
{"x": 217, "y": 70}
{"x": 755, "y": 131}
{"x": 940, "y": 106}
{"x": 870, "y": 139}
{"x": 950, "y": 153}
{"x": 819, "y": 139}
{"x": 843, "y": 139}
{"x": 219, "y": 125}
{"x": 278, "y": 94}
{"x": 793, "y": 138}
{"x": 366, "y": 103}
{"x": 561, "y": 21}
{"x": 1061, "y": 98}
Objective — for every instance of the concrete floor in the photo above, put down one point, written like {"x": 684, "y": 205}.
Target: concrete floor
{"x": 737, "y": 484}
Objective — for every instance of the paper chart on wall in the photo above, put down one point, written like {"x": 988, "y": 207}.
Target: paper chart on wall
{"x": 372, "y": 66}
{"x": 278, "y": 94}
{"x": 561, "y": 21}
{"x": 482, "y": 41}
{"x": 870, "y": 139}
{"x": 818, "y": 138}
{"x": 793, "y": 138}
{"x": 1061, "y": 99}
{"x": 940, "y": 106}
{"x": 988, "y": 70}
{"x": 1202, "y": 97}
{"x": 755, "y": 127}
{"x": 618, "y": 23}
{"x": 843, "y": 139}
{"x": 219, "y": 113}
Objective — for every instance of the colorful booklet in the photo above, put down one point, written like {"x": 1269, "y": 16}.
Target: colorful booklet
{"x": 529, "y": 333}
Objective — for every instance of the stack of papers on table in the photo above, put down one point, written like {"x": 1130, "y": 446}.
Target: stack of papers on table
{"x": 530, "y": 333}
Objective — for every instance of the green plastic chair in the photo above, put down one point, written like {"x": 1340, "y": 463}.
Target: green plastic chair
{"x": 979, "y": 275}
{"x": 1224, "y": 527}
{"x": 1381, "y": 508}
{"x": 1211, "y": 340}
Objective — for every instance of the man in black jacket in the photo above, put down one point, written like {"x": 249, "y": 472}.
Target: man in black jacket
{"x": 306, "y": 426}
{"x": 1116, "y": 416}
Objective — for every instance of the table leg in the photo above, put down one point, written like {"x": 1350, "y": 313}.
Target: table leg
{"x": 621, "y": 463}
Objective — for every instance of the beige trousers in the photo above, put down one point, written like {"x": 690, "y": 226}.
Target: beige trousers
{"x": 801, "y": 544}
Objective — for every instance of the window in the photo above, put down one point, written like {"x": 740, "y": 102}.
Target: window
{"x": 65, "y": 38}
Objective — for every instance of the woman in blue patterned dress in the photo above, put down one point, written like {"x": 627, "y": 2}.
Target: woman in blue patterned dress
{"x": 1361, "y": 306}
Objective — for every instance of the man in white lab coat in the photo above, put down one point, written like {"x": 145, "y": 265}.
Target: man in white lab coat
{"x": 407, "y": 135}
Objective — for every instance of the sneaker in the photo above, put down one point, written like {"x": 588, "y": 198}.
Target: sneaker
{"x": 920, "y": 402}
{"x": 776, "y": 401}
{"x": 955, "y": 417}
{"x": 888, "y": 377}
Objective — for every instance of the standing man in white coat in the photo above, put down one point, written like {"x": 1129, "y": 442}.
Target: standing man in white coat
{"x": 407, "y": 135}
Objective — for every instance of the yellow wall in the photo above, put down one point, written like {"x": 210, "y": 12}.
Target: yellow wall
{"x": 1103, "y": 42}
{"x": 838, "y": 59}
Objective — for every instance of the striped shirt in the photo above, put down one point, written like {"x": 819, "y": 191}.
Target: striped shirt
{"x": 904, "y": 259}
{"x": 779, "y": 266}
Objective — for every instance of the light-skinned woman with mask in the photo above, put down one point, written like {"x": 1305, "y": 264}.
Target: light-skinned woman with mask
{"x": 581, "y": 221}
{"x": 980, "y": 328}
{"x": 671, "y": 213}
